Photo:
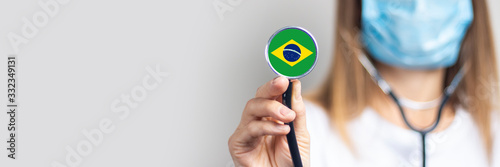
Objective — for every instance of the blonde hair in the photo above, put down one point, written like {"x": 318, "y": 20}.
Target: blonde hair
{"x": 348, "y": 88}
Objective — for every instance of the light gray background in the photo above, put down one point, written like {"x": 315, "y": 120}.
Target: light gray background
{"x": 93, "y": 51}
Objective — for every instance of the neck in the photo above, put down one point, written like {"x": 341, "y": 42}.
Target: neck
{"x": 415, "y": 85}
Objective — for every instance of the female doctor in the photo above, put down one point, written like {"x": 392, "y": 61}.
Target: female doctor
{"x": 405, "y": 72}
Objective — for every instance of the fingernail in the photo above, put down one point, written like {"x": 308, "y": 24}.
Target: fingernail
{"x": 285, "y": 111}
{"x": 298, "y": 94}
{"x": 274, "y": 80}
{"x": 282, "y": 127}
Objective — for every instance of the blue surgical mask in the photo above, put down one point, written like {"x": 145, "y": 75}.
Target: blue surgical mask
{"x": 415, "y": 34}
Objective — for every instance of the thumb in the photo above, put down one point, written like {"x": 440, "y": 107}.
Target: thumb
{"x": 299, "y": 108}
{"x": 301, "y": 133}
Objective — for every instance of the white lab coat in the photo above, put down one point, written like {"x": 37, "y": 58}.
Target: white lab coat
{"x": 378, "y": 142}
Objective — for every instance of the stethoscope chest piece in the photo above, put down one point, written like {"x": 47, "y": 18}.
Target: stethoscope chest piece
{"x": 292, "y": 52}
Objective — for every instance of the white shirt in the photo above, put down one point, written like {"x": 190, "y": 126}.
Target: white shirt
{"x": 381, "y": 143}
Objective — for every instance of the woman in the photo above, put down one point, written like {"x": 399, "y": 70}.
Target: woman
{"x": 417, "y": 47}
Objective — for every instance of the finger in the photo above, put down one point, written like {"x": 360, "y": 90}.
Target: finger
{"x": 259, "y": 107}
{"x": 273, "y": 88}
{"x": 257, "y": 129}
{"x": 299, "y": 108}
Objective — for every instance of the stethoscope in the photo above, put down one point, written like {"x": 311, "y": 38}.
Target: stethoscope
{"x": 387, "y": 90}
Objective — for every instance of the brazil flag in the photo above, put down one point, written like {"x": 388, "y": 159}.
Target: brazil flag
{"x": 292, "y": 52}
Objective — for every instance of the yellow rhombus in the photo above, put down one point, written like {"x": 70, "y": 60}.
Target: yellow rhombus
{"x": 279, "y": 53}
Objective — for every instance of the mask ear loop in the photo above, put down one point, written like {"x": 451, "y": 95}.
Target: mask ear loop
{"x": 385, "y": 87}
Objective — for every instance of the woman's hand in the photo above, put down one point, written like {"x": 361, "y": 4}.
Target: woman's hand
{"x": 260, "y": 139}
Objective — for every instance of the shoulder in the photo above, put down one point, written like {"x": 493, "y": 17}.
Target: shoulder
{"x": 326, "y": 145}
{"x": 466, "y": 118}
{"x": 316, "y": 116}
